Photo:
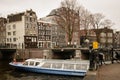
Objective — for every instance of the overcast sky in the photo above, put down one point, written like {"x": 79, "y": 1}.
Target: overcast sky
{"x": 110, "y": 8}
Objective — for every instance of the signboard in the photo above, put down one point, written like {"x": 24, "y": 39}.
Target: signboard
{"x": 95, "y": 45}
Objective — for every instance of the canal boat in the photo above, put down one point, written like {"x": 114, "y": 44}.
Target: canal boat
{"x": 51, "y": 66}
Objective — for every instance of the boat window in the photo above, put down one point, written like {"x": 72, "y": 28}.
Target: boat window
{"x": 84, "y": 66}
{"x": 81, "y": 66}
{"x": 46, "y": 65}
{"x": 78, "y": 66}
{"x": 69, "y": 66}
{"x": 37, "y": 63}
{"x": 56, "y": 65}
{"x": 31, "y": 63}
{"x": 25, "y": 63}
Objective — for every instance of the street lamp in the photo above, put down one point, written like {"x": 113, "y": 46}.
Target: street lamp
{"x": 68, "y": 43}
{"x": 87, "y": 42}
{"x": 75, "y": 44}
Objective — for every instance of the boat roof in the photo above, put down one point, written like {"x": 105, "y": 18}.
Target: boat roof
{"x": 60, "y": 61}
{"x": 35, "y": 59}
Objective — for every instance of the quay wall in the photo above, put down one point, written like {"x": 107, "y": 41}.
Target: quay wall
{"x": 45, "y": 53}
{"x": 41, "y": 53}
{"x": 32, "y": 53}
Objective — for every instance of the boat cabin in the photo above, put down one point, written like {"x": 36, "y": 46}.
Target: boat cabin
{"x": 57, "y": 64}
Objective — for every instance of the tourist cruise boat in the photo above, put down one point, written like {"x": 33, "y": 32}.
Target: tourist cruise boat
{"x": 52, "y": 66}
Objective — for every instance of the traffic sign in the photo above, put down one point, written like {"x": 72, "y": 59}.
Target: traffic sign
{"x": 95, "y": 45}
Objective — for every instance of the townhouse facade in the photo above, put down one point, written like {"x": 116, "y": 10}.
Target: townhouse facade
{"x": 21, "y": 30}
{"x": 117, "y": 39}
{"x": 3, "y": 22}
{"x": 44, "y": 35}
{"x": 50, "y": 35}
{"x": 106, "y": 37}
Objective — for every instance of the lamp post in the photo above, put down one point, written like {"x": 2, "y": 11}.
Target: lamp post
{"x": 87, "y": 42}
{"x": 68, "y": 43}
{"x": 75, "y": 44}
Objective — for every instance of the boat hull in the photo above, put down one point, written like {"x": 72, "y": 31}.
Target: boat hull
{"x": 49, "y": 71}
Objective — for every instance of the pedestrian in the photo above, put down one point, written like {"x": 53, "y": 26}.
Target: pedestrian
{"x": 101, "y": 58}
{"x": 116, "y": 56}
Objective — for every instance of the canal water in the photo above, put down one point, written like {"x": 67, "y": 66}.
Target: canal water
{"x": 9, "y": 73}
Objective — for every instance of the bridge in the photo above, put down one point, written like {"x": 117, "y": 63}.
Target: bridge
{"x": 62, "y": 53}
{"x": 7, "y": 53}
{"x": 71, "y": 52}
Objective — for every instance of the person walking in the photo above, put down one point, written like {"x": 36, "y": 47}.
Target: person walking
{"x": 101, "y": 58}
{"x": 116, "y": 56}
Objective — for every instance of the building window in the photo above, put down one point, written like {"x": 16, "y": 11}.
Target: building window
{"x": 40, "y": 44}
{"x": 30, "y": 19}
{"x": 14, "y": 26}
{"x": 103, "y": 34}
{"x": 109, "y": 34}
{"x": 9, "y": 27}
{"x": 10, "y": 40}
{"x": 110, "y": 40}
{"x": 7, "y": 39}
{"x": 14, "y": 33}
{"x": 103, "y": 40}
{"x": 14, "y": 39}
{"x": 33, "y": 39}
{"x": 9, "y": 33}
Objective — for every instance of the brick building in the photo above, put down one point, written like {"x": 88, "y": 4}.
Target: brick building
{"x": 117, "y": 39}
{"x": 105, "y": 35}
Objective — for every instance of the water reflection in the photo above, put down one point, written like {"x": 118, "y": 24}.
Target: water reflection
{"x": 9, "y": 73}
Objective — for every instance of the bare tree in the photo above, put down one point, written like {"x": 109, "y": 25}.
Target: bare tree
{"x": 67, "y": 17}
{"x": 85, "y": 21}
{"x": 107, "y": 23}
{"x": 96, "y": 22}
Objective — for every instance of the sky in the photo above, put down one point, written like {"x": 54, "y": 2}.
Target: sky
{"x": 109, "y": 8}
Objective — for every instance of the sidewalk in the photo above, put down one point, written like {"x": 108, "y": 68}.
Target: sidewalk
{"x": 105, "y": 72}
{"x": 109, "y": 72}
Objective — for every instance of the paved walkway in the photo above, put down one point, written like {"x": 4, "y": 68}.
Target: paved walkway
{"x": 105, "y": 72}
{"x": 109, "y": 72}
